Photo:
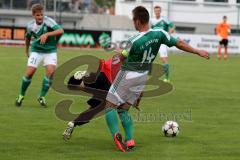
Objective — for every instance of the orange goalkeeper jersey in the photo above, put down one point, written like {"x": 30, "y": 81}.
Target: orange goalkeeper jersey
{"x": 223, "y": 30}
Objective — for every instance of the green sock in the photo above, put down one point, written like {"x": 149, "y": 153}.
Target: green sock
{"x": 112, "y": 120}
{"x": 25, "y": 83}
{"x": 127, "y": 123}
{"x": 46, "y": 83}
{"x": 166, "y": 70}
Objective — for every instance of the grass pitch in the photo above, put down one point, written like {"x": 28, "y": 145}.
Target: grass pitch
{"x": 205, "y": 102}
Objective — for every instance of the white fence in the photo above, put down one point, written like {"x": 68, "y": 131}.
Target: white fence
{"x": 206, "y": 42}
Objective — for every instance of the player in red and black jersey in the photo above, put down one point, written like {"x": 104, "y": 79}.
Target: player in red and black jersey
{"x": 104, "y": 77}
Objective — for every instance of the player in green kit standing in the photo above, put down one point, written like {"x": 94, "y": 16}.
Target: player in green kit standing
{"x": 43, "y": 31}
{"x": 130, "y": 80}
{"x": 168, "y": 26}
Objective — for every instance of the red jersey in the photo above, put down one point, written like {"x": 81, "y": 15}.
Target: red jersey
{"x": 110, "y": 67}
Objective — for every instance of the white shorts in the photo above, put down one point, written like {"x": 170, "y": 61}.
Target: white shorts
{"x": 163, "y": 50}
{"x": 36, "y": 58}
{"x": 127, "y": 87}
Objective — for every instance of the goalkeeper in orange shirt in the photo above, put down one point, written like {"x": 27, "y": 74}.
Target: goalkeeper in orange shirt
{"x": 223, "y": 29}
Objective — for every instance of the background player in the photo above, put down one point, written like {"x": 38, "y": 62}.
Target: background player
{"x": 223, "y": 29}
{"x": 130, "y": 80}
{"x": 43, "y": 48}
{"x": 162, "y": 22}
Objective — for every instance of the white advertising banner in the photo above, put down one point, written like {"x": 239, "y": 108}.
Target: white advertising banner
{"x": 201, "y": 41}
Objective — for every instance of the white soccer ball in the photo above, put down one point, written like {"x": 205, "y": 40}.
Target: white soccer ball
{"x": 170, "y": 129}
{"x": 79, "y": 74}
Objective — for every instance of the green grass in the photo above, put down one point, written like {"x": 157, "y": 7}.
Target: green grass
{"x": 209, "y": 89}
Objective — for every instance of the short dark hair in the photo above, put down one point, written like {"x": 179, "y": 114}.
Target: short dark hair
{"x": 156, "y": 7}
{"x": 224, "y": 17}
{"x": 141, "y": 13}
{"x": 37, "y": 8}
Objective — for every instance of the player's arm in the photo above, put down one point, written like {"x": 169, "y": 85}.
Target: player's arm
{"x": 28, "y": 37}
{"x": 172, "y": 30}
{"x": 180, "y": 44}
{"x": 218, "y": 28}
{"x": 27, "y": 45}
{"x": 57, "y": 30}
{"x": 44, "y": 37}
{"x": 185, "y": 47}
{"x": 171, "y": 27}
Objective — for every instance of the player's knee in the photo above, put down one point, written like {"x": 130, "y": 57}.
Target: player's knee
{"x": 124, "y": 106}
{"x": 110, "y": 105}
{"x": 164, "y": 60}
{"x": 50, "y": 72}
{"x": 30, "y": 72}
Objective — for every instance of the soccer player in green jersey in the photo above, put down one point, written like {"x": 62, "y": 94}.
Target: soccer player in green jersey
{"x": 43, "y": 31}
{"x": 130, "y": 80}
{"x": 168, "y": 26}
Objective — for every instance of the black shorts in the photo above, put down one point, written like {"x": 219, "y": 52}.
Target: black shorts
{"x": 224, "y": 42}
{"x": 101, "y": 83}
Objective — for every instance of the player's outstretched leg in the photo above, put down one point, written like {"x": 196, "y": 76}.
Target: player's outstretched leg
{"x": 84, "y": 117}
{"x": 119, "y": 143}
{"x": 127, "y": 124}
{"x": 112, "y": 122}
{"x": 68, "y": 132}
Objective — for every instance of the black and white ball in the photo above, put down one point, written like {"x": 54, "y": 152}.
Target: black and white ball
{"x": 170, "y": 129}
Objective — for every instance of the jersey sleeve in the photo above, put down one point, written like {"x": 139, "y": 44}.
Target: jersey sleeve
{"x": 28, "y": 33}
{"x": 170, "y": 25}
{"x": 168, "y": 39}
{"x": 52, "y": 23}
{"x": 129, "y": 45}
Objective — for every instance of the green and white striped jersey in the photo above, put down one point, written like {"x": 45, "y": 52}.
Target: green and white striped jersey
{"x": 161, "y": 23}
{"x": 34, "y": 30}
{"x": 144, "y": 48}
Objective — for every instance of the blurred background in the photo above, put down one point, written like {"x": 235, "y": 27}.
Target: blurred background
{"x": 110, "y": 20}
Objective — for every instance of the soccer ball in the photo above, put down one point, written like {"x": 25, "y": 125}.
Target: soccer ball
{"x": 170, "y": 129}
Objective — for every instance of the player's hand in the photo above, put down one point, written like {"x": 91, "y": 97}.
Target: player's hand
{"x": 204, "y": 54}
{"x": 27, "y": 54}
{"x": 43, "y": 38}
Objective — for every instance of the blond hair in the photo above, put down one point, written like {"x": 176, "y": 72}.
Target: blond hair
{"x": 36, "y": 8}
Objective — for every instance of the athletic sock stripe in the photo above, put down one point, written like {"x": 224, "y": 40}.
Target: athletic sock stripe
{"x": 26, "y": 79}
